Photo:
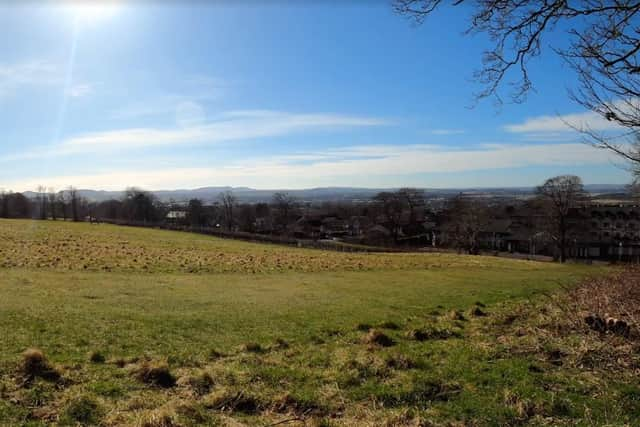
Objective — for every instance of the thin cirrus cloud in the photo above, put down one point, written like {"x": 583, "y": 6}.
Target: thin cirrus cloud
{"x": 230, "y": 126}
{"x": 348, "y": 164}
{"x": 562, "y": 123}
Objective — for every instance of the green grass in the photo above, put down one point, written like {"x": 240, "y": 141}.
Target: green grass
{"x": 194, "y": 302}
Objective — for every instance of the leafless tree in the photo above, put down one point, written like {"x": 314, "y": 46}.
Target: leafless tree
{"x": 4, "y": 204}
{"x": 464, "y": 219}
{"x": 247, "y": 218}
{"x": 53, "y": 205}
{"x": 61, "y": 201}
{"x": 414, "y": 199}
{"x": 603, "y": 50}
{"x": 562, "y": 193}
{"x": 195, "y": 213}
{"x": 228, "y": 200}
{"x": 74, "y": 203}
{"x": 285, "y": 204}
{"x": 392, "y": 204}
{"x": 42, "y": 201}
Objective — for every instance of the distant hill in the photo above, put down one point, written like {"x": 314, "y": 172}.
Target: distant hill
{"x": 245, "y": 194}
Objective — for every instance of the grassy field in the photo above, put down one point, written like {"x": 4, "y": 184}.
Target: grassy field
{"x": 156, "y": 328}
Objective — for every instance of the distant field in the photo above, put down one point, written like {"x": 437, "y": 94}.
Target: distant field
{"x": 72, "y": 247}
{"x": 260, "y": 334}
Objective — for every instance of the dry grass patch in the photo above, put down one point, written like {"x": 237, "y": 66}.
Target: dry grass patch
{"x": 227, "y": 399}
{"x": 155, "y": 374}
{"x": 162, "y": 417}
{"x": 35, "y": 365}
{"x": 376, "y": 337}
{"x": 82, "y": 410}
{"x": 432, "y": 333}
{"x": 200, "y": 383}
{"x": 253, "y": 347}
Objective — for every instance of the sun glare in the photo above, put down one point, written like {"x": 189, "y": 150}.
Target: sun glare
{"x": 93, "y": 10}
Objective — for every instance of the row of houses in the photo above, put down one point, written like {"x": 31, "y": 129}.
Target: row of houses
{"x": 606, "y": 232}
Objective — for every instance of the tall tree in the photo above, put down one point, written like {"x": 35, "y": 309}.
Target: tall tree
{"x": 62, "y": 204}
{"x": 463, "y": 220}
{"x": 392, "y": 204}
{"x": 562, "y": 193}
{"x": 42, "y": 201}
{"x": 4, "y": 204}
{"x": 601, "y": 46}
{"x": 285, "y": 204}
{"x": 195, "y": 213}
{"x": 228, "y": 200}
{"x": 53, "y": 203}
{"x": 139, "y": 205}
{"x": 414, "y": 199}
{"x": 74, "y": 203}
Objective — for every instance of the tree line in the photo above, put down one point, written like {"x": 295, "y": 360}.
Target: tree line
{"x": 407, "y": 215}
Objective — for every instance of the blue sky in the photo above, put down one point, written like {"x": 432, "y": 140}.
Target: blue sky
{"x": 164, "y": 96}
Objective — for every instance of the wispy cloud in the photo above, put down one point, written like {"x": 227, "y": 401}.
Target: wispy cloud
{"x": 416, "y": 159}
{"x": 238, "y": 125}
{"x": 347, "y": 164}
{"x": 562, "y": 123}
{"x": 228, "y": 126}
{"x": 13, "y": 77}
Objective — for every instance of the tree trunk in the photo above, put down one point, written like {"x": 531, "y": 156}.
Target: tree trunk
{"x": 563, "y": 241}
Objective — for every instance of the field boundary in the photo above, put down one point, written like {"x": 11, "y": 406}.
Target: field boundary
{"x": 263, "y": 238}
